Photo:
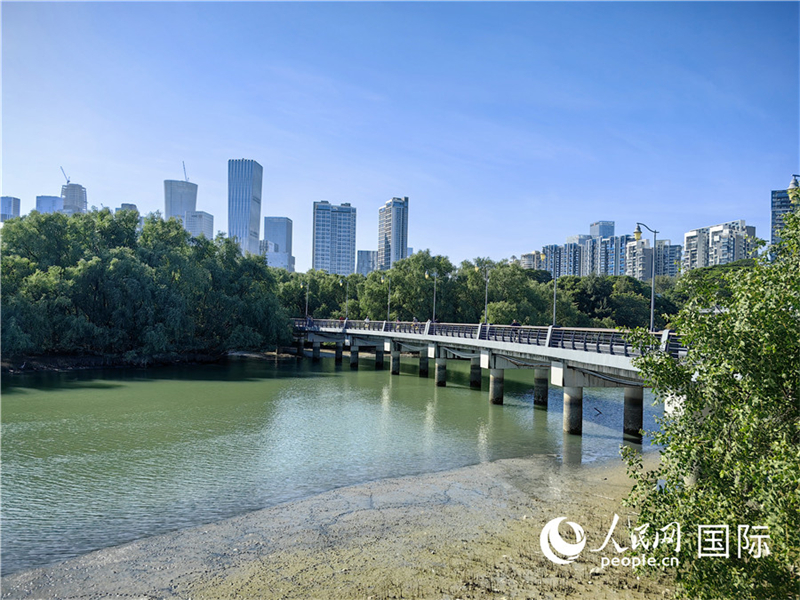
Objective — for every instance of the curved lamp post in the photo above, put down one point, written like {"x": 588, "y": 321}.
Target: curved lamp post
{"x": 637, "y": 236}
{"x": 306, "y": 285}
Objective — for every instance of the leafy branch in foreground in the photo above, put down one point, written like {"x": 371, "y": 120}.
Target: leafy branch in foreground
{"x": 731, "y": 447}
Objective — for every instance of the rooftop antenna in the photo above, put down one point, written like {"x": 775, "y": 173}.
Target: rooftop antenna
{"x": 65, "y": 175}
{"x": 184, "y": 171}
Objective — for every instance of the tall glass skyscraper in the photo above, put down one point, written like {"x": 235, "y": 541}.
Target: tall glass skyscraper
{"x": 334, "y": 248}
{"x": 392, "y": 232}
{"x": 780, "y": 206}
{"x": 10, "y": 208}
{"x": 278, "y": 231}
{"x": 49, "y": 204}
{"x": 180, "y": 197}
{"x": 244, "y": 203}
{"x": 74, "y": 198}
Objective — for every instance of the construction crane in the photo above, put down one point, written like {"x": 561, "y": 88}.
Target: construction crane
{"x": 65, "y": 175}
{"x": 184, "y": 171}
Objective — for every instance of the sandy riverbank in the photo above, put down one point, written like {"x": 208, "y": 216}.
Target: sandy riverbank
{"x": 468, "y": 533}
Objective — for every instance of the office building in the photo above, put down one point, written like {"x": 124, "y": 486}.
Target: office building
{"x": 334, "y": 238}
{"x": 198, "y": 222}
{"x": 9, "y": 208}
{"x": 266, "y": 247}
{"x": 49, "y": 204}
{"x": 718, "y": 245}
{"x": 781, "y": 204}
{"x": 73, "y": 197}
{"x": 279, "y": 231}
{"x": 125, "y": 206}
{"x": 392, "y": 232}
{"x": 244, "y": 203}
{"x": 602, "y": 229}
{"x": 180, "y": 197}
{"x": 367, "y": 262}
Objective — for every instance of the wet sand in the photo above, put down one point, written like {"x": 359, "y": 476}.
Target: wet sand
{"x": 468, "y": 533}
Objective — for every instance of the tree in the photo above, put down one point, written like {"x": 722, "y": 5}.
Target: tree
{"x": 732, "y": 448}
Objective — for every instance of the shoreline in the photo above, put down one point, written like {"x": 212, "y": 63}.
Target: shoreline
{"x": 464, "y": 533}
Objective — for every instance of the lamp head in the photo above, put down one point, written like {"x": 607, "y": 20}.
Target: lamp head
{"x": 637, "y": 235}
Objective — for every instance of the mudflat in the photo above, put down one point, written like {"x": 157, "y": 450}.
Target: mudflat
{"x": 468, "y": 533}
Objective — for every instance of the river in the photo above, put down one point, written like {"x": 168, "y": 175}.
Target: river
{"x": 92, "y": 459}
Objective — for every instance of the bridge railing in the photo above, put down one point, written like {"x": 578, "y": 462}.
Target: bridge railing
{"x": 601, "y": 341}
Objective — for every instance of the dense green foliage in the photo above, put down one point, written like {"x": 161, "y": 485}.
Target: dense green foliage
{"x": 90, "y": 284}
{"x": 404, "y": 292}
{"x": 732, "y": 449}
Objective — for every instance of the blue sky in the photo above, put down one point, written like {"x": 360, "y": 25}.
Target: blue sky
{"x": 508, "y": 125}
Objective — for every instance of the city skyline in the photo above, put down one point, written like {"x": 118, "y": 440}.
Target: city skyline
{"x": 510, "y": 125}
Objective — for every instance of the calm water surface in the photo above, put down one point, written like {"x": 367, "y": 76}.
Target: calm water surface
{"x": 93, "y": 459}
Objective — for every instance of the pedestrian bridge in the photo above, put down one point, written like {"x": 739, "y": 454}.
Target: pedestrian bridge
{"x": 572, "y": 358}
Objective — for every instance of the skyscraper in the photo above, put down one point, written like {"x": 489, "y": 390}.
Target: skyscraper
{"x": 639, "y": 259}
{"x": 74, "y": 198}
{"x": 180, "y": 197}
{"x": 198, "y": 222}
{"x": 367, "y": 262}
{"x": 278, "y": 230}
{"x": 392, "y": 232}
{"x": 244, "y": 203}
{"x": 49, "y": 204}
{"x": 334, "y": 243}
{"x": 602, "y": 229}
{"x": 781, "y": 204}
{"x": 9, "y": 208}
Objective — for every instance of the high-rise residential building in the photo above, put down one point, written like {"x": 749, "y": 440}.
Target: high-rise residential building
{"x": 367, "y": 262}
{"x": 533, "y": 260}
{"x": 74, "y": 198}
{"x": 334, "y": 238}
{"x": 198, "y": 222}
{"x": 9, "y": 208}
{"x": 781, "y": 204}
{"x": 639, "y": 259}
{"x": 125, "y": 206}
{"x": 244, "y": 203}
{"x": 718, "y": 244}
{"x": 180, "y": 197}
{"x": 392, "y": 232}
{"x": 668, "y": 258}
{"x": 279, "y": 231}
{"x": 49, "y": 204}
{"x": 602, "y": 229}
{"x": 571, "y": 259}
{"x": 552, "y": 259}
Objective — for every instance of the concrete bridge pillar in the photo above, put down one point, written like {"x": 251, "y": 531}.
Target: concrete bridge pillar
{"x": 423, "y": 363}
{"x": 573, "y": 410}
{"x": 475, "y": 372}
{"x": 441, "y": 372}
{"x": 300, "y": 348}
{"x": 315, "y": 350}
{"x": 339, "y": 350}
{"x": 541, "y": 380}
{"x": 632, "y": 417}
{"x": 353, "y": 357}
{"x": 379, "y": 358}
{"x": 395, "y": 361}
{"x": 496, "y": 384}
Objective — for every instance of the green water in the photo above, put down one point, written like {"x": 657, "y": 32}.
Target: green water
{"x": 93, "y": 459}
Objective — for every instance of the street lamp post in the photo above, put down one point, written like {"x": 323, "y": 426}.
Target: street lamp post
{"x": 435, "y": 277}
{"x": 388, "y": 297}
{"x": 637, "y": 236}
{"x": 308, "y": 288}
{"x": 555, "y": 282}
{"x": 346, "y": 298}
{"x": 486, "y": 295}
